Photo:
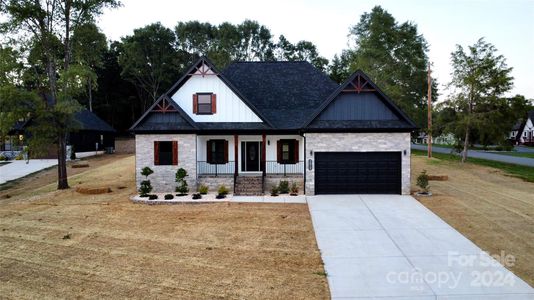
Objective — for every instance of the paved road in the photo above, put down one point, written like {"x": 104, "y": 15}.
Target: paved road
{"x": 18, "y": 168}
{"x": 525, "y": 161}
{"x": 392, "y": 247}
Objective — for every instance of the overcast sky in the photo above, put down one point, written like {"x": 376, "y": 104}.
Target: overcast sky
{"x": 509, "y": 25}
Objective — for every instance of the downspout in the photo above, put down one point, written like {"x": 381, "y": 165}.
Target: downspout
{"x": 305, "y": 154}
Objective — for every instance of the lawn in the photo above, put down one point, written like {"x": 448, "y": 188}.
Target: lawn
{"x": 524, "y": 172}
{"x": 60, "y": 244}
{"x": 491, "y": 208}
{"x": 518, "y": 154}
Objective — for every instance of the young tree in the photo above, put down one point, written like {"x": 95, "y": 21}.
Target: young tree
{"x": 47, "y": 24}
{"x": 479, "y": 78}
{"x": 395, "y": 57}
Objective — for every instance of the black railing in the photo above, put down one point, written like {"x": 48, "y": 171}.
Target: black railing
{"x": 280, "y": 168}
{"x": 206, "y": 168}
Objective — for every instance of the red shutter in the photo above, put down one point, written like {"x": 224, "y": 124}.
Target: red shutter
{"x": 225, "y": 151}
{"x": 208, "y": 151}
{"x": 279, "y": 151}
{"x": 296, "y": 151}
{"x": 156, "y": 153}
{"x": 174, "y": 153}
{"x": 195, "y": 103}
{"x": 213, "y": 103}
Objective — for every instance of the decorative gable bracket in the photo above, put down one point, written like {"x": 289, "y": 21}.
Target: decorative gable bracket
{"x": 359, "y": 84}
{"x": 164, "y": 106}
{"x": 202, "y": 68}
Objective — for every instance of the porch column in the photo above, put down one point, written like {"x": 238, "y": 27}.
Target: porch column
{"x": 236, "y": 168}
{"x": 263, "y": 154}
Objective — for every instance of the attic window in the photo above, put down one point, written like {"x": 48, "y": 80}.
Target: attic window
{"x": 204, "y": 103}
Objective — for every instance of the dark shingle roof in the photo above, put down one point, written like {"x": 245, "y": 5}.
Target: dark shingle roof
{"x": 284, "y": 92}
{"x": 517, "y": 125}
{"x": 90, "y": 121}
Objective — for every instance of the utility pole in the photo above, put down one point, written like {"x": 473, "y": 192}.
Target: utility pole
{"x": 429, "y": 97}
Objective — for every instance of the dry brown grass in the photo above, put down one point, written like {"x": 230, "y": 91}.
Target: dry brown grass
{"x": 493, "y": 210}
{"x": 61, "y": 244}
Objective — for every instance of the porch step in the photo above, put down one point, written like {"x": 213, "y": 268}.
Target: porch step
{"x": 248, "y": 186}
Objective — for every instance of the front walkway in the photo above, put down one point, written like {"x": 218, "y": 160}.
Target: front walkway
{"x": 392, "y": 247}
{"x": 19, "y": 168}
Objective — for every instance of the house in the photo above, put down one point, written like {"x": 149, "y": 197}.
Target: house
{"x": 92, "y": 134}
{"x": 525, "y": 130}
{"x": 256, "y": 123}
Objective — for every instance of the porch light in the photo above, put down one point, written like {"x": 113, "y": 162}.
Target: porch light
{"x": 21, "y": 137}
{"x": 269, "y": 142}
{"x": 311, "y": 152}
{"x": 404, "y": 152}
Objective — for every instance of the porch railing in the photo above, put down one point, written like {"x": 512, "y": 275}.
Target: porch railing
{"x": 206, "y": 168}
{"x": 278, "y": 168}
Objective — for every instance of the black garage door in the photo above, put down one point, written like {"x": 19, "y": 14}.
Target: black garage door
{"x": 358, "y": 172}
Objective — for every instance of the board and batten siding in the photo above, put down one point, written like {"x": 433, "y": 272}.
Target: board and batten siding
{"x": 230, "y": 108}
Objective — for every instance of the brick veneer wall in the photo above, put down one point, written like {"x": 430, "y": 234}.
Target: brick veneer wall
{"x": 337, "y": 142}
{"x": 163, "y": 179}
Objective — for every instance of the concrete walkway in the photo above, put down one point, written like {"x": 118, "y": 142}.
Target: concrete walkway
{"x": 392, "y": 247}
{"x": 524, "y": 161}
{"x": 18, "y": 168}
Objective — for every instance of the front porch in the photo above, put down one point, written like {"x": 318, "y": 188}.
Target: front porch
{"x": 256, "y": 162}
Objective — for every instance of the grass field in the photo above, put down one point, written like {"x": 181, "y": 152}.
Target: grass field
{"x": 60, "y": 244}
{"x": 524, "y": 172}
{"x": 487, "y": 205}
{"x": 517, "y": 154}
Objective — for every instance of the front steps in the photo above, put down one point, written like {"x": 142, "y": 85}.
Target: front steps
{"x": 249, "y": 186}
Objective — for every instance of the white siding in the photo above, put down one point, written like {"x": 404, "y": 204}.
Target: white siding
{"x": 230, "y": 108}
{"x": 529, "y": 127}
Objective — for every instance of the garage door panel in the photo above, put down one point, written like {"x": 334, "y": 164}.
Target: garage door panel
{"x": 358, "y": 172}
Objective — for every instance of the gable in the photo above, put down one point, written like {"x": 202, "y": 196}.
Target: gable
{"x": 358, "y": 104}
{"x": 230, "y": 106}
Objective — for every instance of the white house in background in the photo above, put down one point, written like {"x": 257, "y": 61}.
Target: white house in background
{"x": 523, "y": 132}
{"x": 257, "y": 123}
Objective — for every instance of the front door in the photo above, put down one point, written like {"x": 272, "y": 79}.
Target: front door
{"x": 250, "y": 156}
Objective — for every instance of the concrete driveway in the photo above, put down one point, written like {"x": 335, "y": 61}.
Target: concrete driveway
{"x": 19, "y": 168}
{"x": 392, "y": 247}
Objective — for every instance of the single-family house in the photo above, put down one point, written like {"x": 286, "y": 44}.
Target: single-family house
{"x": 256, "y": 123}
{"x": 524, "y": 131}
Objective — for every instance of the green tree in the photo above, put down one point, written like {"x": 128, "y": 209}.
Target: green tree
{"x": 479, "y": 79}
{"x": 395, "y": 56}
{"x": 150, "y": 60}
{"x": 45, "y": 24}
{"x": 302, "y": 51}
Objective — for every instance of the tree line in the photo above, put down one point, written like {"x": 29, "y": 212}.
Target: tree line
{"x": 54, "y": 61}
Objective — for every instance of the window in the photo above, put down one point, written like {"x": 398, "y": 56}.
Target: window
{"x": 217, "y": 151}
{"x": 288, "y": 151}
{"x": 204, "y": 103}
{"x": 165, "y": 153}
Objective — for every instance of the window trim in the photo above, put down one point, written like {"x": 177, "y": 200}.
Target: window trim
{"x": 292, "y": 155}
{"x": 211, "y": 158}
{"x": 210, "y": 104}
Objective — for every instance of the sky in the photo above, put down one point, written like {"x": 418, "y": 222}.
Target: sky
{"x": 507, "y": 24}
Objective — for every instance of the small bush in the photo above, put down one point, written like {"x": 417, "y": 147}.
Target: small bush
{"x": 274, "y": 191}
{"x": 283, "y": 187}
{"x": 152, "y": 197}
{"x": 197, "y": 196}
{"x": 220, "y": 196}
{"x": 2, "y": 157}
{"x": 145, "y": 188}
{"x": 146, "y": 171}
{"x": 169, "y": 197}
{"x": 294, "y": 189}
{"x": 422, "y": 181}
{"x": 19, "y": 156}
{"x": 203, "y": 189}
{"x": 223, "y": 190}
{"x": 182, "y": 188}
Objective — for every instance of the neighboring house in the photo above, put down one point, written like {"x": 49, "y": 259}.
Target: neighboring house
{"x": 93, "y": 134}
{"x": 257, "y": 123}
{"x": 523, "y": 131}
{"x": 445, "y": 139}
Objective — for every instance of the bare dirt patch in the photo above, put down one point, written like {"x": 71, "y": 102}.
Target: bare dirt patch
{"x": 493, "y": 210}
{"x": 61, "y": 244}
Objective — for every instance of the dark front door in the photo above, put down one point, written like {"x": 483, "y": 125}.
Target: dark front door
{"x": 358, "y": 172}
{"x": 250, "y": 156}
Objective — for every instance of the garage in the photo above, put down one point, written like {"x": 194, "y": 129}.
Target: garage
{"x": 358, "y": 172}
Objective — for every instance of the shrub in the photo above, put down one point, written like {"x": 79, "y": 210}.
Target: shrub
{"x": 19, "y": 156}
{"x": 283, "y": 187}
{"x": 294, "y": 189}
{"x": 2, "y": 157}
{"x": 203, "y": 189}
{"x": 72, "y": 153}
{"x": 146, "y": 187}
{"x": 274, "y": 191}
{"x": 182, "y": 188}
{"x": 223, "y": 190}
{"x": 197, "y": 196}
{"x": 422, "y": 181}
{"x": 152, "y": 197}
{"x": 169, "y": 197}
{"x": 220, "y": 196}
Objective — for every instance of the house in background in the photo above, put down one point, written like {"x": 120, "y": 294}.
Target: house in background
{"x": 93, "y": 134}
{"x": 523, "y": 131}
{"x": 257, "y": 123}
